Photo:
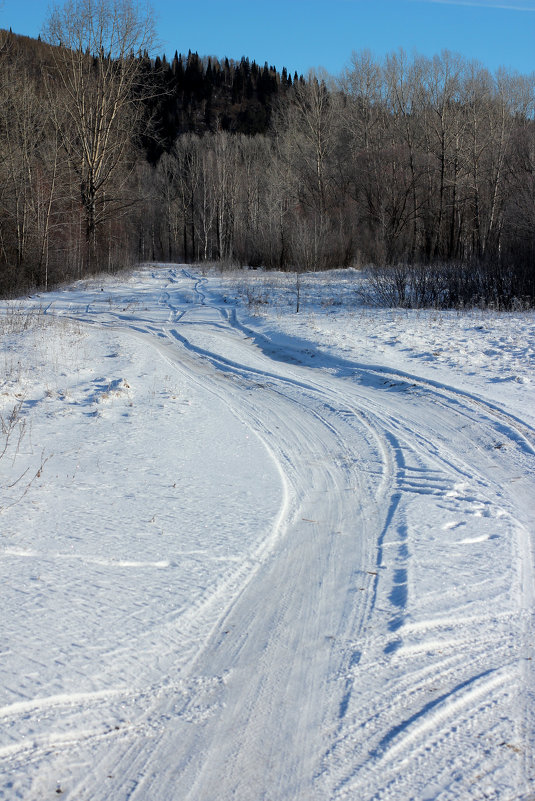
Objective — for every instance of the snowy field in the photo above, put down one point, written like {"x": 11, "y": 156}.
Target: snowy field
{"x": 254, "y": 555}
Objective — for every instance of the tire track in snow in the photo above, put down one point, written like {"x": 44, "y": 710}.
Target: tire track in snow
{"x": 437, "y": 475}
{"x": 308, "y": 447}
{"x": 413, "y": 481}
{"x": 297, "y": 704}
{"x": 255, "y": 724}
{"x": 443, "y": 483}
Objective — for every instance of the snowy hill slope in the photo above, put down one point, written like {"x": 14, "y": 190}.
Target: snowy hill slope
{"x": 253, "y": 554}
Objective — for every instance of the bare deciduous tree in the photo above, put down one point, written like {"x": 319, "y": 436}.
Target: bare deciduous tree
{"x": 96, "y": 91}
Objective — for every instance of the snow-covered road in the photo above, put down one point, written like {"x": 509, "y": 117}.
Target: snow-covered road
{"x": 338, "y": 604}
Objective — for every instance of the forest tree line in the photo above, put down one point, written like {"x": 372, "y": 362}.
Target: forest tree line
{"x": 423, "y": 167}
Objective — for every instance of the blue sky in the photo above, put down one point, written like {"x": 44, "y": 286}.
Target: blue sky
{"x": 302, "y": 34}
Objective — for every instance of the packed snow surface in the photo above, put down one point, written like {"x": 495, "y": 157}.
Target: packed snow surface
{"x": 252, "y": 554}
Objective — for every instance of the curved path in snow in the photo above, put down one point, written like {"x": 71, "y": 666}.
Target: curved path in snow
{"x": 378, "y": 644}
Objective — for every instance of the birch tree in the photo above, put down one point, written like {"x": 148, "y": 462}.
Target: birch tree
{"x": 96, "y": 92}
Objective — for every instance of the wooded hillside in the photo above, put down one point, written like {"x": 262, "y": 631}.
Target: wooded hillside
{"x": 107, "y": 157}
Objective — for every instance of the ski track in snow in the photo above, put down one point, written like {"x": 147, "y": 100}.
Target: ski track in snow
{"x": 374, "y": 643}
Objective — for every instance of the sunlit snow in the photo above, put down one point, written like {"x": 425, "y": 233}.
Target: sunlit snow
{"x": 252, "y": 554}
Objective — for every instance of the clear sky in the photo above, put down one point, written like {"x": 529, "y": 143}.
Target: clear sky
{"x": 302, "y": 34}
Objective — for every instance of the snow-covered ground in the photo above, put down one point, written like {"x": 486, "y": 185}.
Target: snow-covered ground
{"x": 251, "y": 554}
